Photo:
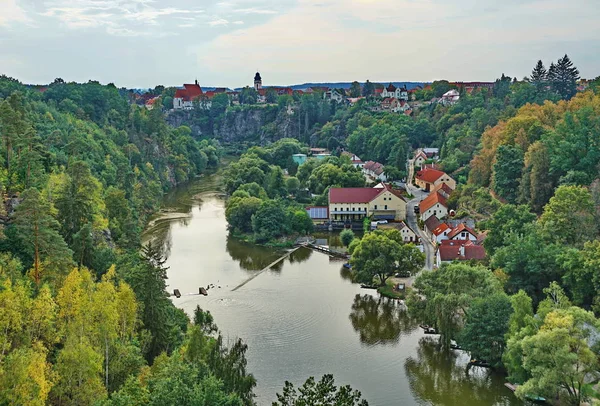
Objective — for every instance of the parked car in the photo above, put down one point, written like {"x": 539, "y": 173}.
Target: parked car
{"x": 382, "y": 222}
{"x": 417, "y": 210}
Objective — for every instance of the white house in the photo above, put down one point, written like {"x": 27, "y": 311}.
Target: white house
{"x": 184, "y": 97}
{"x": 400, "y": 93}
{"x": 375, "y": 171}
{"x": 433, "y": 205}
{"x": 333, "y": 95}
{"x": 450, "y": 97}
{"x": 462, "y": 232}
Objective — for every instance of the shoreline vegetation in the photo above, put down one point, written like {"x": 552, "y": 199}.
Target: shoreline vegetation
{"x": 86, "y": 315}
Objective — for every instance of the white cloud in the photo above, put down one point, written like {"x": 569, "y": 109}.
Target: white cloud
{"x": 238, "y": 22}
{"x": 12, "y": 13}
{"x": 218, "y": 22}
{"x": 254, "y": 10}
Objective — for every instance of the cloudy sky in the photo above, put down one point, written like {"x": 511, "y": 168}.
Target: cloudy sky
{"x": 141, "y": 43}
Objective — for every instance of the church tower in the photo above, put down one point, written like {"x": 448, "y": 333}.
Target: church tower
{"x": 257, "y": 82}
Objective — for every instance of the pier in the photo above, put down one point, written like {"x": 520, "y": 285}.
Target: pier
{"x": 267, "y": 267}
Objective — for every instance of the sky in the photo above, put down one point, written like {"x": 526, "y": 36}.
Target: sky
{"x": 143, "y": 43}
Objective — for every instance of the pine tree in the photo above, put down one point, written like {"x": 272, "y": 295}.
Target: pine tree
{"x": 564, "y": 78}
{"x": 539, "y": 76}
{"x": 38, "y": 231}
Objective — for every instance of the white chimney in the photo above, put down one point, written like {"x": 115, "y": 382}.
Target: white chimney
{"x": 461, "y": 250}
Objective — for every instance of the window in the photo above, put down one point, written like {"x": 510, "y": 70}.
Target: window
{"x": 434, "y": 212}
{"x": 385, "y": 207}
{"x": 375, "y": 207}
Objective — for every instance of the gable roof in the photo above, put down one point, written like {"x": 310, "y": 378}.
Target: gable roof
{"x": 189, "y": 92}
{"x": 360, "y": 194}
{"x": 429, "y": 175}
{"x": 459, "y": 229}
{"x": 441, "y": 229}
{"x": 431, "y": 201}
{"x": 442, "y": 188}
{"x": 391, "y": 88}
{"x": 432, "y": 223}
{"x": 450, "y": 250}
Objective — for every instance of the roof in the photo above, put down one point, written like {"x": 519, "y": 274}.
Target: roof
{"x": 432, "y": 223}
{"x": 189, "y": 92}
{"x": 450, "y": 250}
{"x": 352, "y": 195}
{"x": 441, "y": 229}
{"x": 360, "y": 194}
{"x": 420, "y": 153}
{"x": 391, "y": 88}
{"x": 431, "y": 201}
{"x": 443, "y": 187}
{"x": 257, "y": 77}
{"x": 429, "y": 175}
{"x": 318, "y": 212}
{"x": 459, "y": 229}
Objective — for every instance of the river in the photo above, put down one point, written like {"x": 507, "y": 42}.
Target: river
{"x": 304, "y": 317}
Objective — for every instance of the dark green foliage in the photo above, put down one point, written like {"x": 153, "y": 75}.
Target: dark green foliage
{"x": 323, "y": 393}
{"x": 507, "y": 222}
{"x": 269, "y": 221}
{"x": 507, "y": 172}
{"x": 563, "y": 77}
{"x": 486, "y": 325}
{"x": 346, "y": 237}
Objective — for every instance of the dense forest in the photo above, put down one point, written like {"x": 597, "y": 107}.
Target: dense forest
{"x": 84, "y": 313}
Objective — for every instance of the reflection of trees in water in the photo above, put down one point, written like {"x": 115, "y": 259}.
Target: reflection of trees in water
{"x": 251, "y": 257}
{"x": 439, "y": 378}
{"x": 301, "y": 255}
{"x": 162, "y": 239}
{"x": 379, "y": 320}
{"x": 346, "y": 273}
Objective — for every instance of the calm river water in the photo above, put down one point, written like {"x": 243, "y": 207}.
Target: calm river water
{"x": 304, "y": 317}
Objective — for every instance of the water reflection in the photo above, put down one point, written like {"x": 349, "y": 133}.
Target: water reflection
{"x": 441, "y": 378}
{"x": 379, "y": 320}
{"x": 251, "y": 257}
{"x": 346, "y": 274}
{"x": 301, "y": 255}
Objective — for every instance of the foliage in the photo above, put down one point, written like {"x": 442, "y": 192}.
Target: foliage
{"x": 347, "y": 236}
{"x": 323, "y": 393}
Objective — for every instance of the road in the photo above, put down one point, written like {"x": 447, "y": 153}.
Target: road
{"x": 411, "y": 218}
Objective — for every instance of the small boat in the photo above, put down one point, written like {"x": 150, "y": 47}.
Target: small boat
{"x": 368, "y": 286}
{"x": 203, "y": 291}
{"x": 347, "y": 265}
{"x": 430, "y": 330}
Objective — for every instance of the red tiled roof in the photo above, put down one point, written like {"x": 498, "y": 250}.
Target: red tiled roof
{"x": 378, "y": 91}
{"x": 442, "y": 187}
{"x": 429, "y": 175}
{"x": 189, "y": 92}
{"x": 353, "y": 195}
{"x": 432, "y": 223}
{"x": 460, "y": 228}
{"x": 391, "y": 88}
{"x": 431, "y": 201}
{"x": 450, "y": 250}
{"x": 440, "y": 229}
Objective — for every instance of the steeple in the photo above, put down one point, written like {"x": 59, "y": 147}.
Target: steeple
{"x": 257, "y": 82}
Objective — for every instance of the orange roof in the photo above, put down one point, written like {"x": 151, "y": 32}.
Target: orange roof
{"x": 450, "y": 250}
{"x": 189, "y": 92}
{"x": 431, "y": 201}
{"x": 429, "y": 175}
{"x": 440, "y": 229}
{"x": 442, "y": 187}
{"x": 460, "y": 228}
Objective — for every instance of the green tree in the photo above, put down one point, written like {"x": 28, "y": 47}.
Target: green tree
{"x": 292, "y": 184}
{"x": 581, "y": 277}
{"x": 536, "y": 186}
{"x": 239, "y": 212}
{"x": 539, "y": 77}
{"x": 485, "y": 328}
{"x": 323, "y": 393}
{"x": 38, "y": 232}
{"x": 347, "y": 236}
{"x": 368, "y": 89}
{"x": 269, "y": 221}
{"x": 569, "y": 216}
{"x": 507, "y": 172}
{"x": 445, "y": 296}
{"x": 509, "y": 220}
{"x": 271, "y": 95}
{"x": 355, "y": 89}
{"x": 301, "y": 222}
{"x": 276, "y": 183}
{"x": 379, "y": 256}
{"x": 564, "y": 76}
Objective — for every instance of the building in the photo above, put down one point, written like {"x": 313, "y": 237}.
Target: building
{"x": 400, "y": 93}
{"x": 408, "y": 235}
{"x": 318, "y": 214}
{"x": 427, "y": 179}
{"x": 420, "y": 158}
{"x": 375, "y": 171}
{"x": 184, "y": 97}
{"x": 443, "y": 189}
{"x": 459, "y": 250}
{"x": 257, "y": 82}
{"x": 333, "y": 95}
{"x": 299, "y": 158}
{"x": 151, "y": 102}
{"x": 463, "y": 232}
{"x": 433, "y": 205}
{"x": 354, "y": 204}
{"x": 436, "y": 230}
{"x": 450, "y": 97}
{"x": 356, "y": 161}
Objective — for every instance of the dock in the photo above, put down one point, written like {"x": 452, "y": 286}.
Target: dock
{"x": 272, "y": 264}
{"x": 324, "y": 250}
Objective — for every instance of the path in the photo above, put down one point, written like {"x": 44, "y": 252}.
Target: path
{"x": 267, "y": 268}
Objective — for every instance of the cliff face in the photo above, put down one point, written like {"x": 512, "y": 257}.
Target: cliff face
{"x": 259, "y": 124}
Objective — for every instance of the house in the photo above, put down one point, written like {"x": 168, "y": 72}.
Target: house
{"x": 333, "y": 95}
{"x": 150, "y": 103}
{"x": 436, "y": 230}
{"x": 356, "y": 161}
{"x": 374, "y": 170}
{"x": 354, "y": 204}
{"x": 299, "y": 158}
{"x": 322, "y": 156}
{"x": 400, "y": 93}
{"x": 353, "y": 100}
{"x": 450, "y": 97}
{"x": 184, "y": 97}
{"x": 463, "y": 232}
{"x": 318, "y": 214}
{"x": 428, "y": 178}
{"x": 433, "y": 205}
{"x": 443, "y": 189}
{"x": 420, "y": 158}
{"x": 431, "y": 153}
{"x": 408, "y": 235}
{"x": 459, "y": 250}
